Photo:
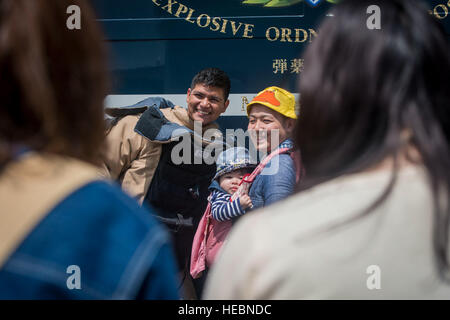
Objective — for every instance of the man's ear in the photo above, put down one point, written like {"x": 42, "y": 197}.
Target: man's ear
{"x": 226, "y": 105}
{"x": 188, "y": 94}
{"x": 290, "y": 125}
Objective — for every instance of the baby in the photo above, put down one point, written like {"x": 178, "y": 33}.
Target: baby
{"x": 232, "y": 165}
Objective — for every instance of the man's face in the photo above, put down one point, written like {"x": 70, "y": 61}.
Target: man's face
{"x": 264, "y": 123}
{"x": 205, "y": 104}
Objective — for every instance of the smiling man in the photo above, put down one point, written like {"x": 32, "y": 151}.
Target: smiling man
{"x": 139, "y": 155}
{"x": 206, "y": 102}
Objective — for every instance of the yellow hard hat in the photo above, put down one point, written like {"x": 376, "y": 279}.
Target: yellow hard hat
{"x": 277, "y": 99}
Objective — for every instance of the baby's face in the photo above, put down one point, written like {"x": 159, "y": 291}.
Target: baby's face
{"x": 229, "y": 182}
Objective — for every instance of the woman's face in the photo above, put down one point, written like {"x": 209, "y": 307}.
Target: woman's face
{"x": 268, "y": 128}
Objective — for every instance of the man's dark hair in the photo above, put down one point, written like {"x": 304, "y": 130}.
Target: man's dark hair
{"x": 213, "y": 77}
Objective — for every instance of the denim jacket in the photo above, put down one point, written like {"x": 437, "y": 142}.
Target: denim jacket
{"x": 120, "y": 250}
{"x": 276, "y": 181}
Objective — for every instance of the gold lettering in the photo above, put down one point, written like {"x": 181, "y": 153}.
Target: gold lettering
{"x": 311, "y": 34}
{"x": 224, "y": 26}
{"x": 215, "y": 23}
{"x": 297, "y": 35}
{"x": 169, "y": 5}
{"x": 208, "y": 20}
{"x": 233, "y": 27}
{"x": 436, "y": 12}
{"x": 191, "y": 11}
{"x": 297, "y": 65}
{"x": 248, "y": 29}
{"x": 285, "y": 34}
{"x": 244, "y": 103}
{"x": 181, "y": 9}
{"x": 158, "y": 4}
{"x": 279, "y": 65}
{"x": 277, "y": 34}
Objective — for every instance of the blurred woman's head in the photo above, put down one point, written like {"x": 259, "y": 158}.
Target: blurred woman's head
{"x": 53, "y": 80}
{"x": 361, "y": 88}
{"x": 370, "y": 95}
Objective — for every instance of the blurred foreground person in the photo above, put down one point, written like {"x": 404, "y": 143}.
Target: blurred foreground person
{"x": 371, "y": 219}
{"x": 64, "y": 233}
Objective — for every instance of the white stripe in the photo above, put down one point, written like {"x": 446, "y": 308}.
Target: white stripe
{"x": 222, "y": 213}
{"x": 236, "y": 211}
{"x": 237, "y": 107}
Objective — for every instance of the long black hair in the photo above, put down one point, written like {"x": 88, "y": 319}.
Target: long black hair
{"x": 366, "y": 95}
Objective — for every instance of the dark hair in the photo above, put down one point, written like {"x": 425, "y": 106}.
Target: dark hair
{"x": 53, "y": 80}
{"x": 363, "y": 91}
{"x": 213, "y": 77}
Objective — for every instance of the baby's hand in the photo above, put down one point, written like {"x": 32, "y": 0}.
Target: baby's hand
{"x": 245, "y": 201}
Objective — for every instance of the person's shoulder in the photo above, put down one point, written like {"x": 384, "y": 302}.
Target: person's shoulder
{"x": 285, "y": 156}
{"x": 177, "y": 115}
{"x": 106, "y": 198}
{"x": 129, "y": 120}
{"x": 310, "y": 206}
{"x": 286, "y": 159}
{"x": 103, "y": 206}
{"x": 97, "y": 227}
{"x": 123, "y": 128}
{"x": 334, "y": 201}
{"x": 305, "y": 225}
{"x": 279, "y": 166}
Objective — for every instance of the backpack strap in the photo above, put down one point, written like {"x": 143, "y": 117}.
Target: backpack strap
{"x": 247, "y": 180}
{"x": 30, "y": 188}
{"x": 250, "y": 177}
{"x": 199, "y": 248}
